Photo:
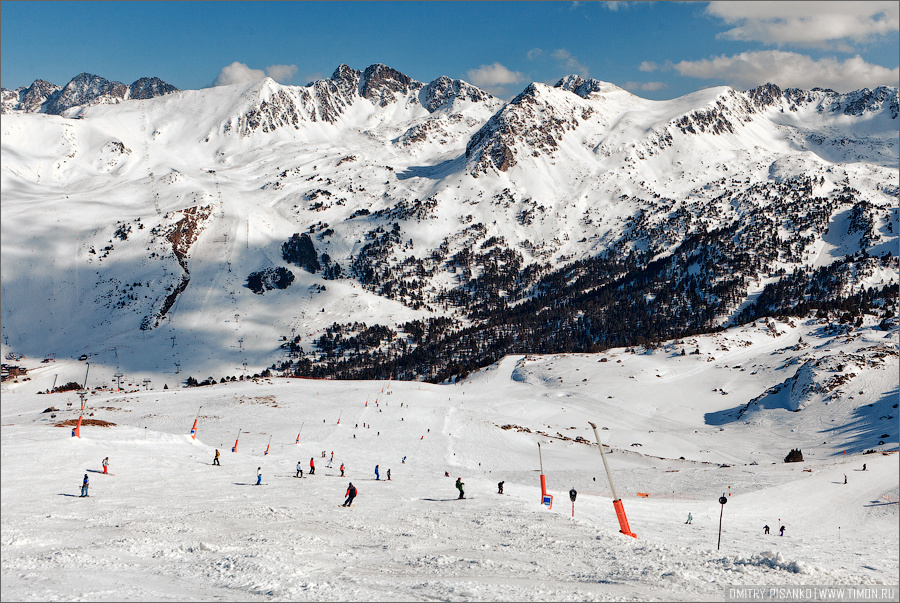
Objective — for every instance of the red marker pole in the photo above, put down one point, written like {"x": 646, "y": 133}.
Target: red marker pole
{"x": 194, "y": 428}
{"x": 76, "y": 433}
{"x": 234, "y": 449}
{"x": 617, "y": 502}
{"x": 546, "y": 499}
{"x": 267, "y": 446}
{"x": 299, "y": 432}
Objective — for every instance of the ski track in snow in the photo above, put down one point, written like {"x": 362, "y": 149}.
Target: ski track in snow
{"x": 169, "y": 526}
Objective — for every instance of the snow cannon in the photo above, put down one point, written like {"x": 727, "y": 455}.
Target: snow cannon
{"x": 617, "y": 502}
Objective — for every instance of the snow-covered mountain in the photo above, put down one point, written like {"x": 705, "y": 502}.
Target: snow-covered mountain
{"x": 82, "y": 91}
{"x": 369, "y": 224}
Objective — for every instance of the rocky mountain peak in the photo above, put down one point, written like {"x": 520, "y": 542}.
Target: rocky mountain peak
{"x": 379, "y": 83}
{"x": 442, "y": 92}
{"x": 584, "y": 88}
{"x": 151, "y": 87}
{"x": 86, "y": 89}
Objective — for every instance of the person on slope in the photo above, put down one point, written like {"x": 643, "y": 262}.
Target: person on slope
{"x": 84, "y": 486}
{"x": 258, "y": 476}
{"x": 216, "y": 460}
{"x": 690, "y": 518}
{"x": 459, "y": 486}
{"x": 389, "y": 475}
{"x": 500, "y": 487}
{"x": 376, "y": 473}
{"x": 781, "y": 529}
{"x": 312, "y": 466}
{"x": 105, "y": 465}
{"x": 299, "y": 470}
{"x": 342, "y": 469}
{"x": 351, "y": 494}
{"x": 765, "y": 529}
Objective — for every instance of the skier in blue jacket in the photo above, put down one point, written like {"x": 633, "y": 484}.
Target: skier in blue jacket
{"x": 376, "y": 472}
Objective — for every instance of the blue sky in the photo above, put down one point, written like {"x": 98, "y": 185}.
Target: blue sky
{"x": 656, "y": 50}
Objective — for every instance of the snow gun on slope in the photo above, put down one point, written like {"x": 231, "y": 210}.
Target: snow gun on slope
{"x": 617, "y": 502}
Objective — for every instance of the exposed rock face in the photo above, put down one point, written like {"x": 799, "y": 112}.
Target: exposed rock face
{"x": 83, "y": 90}
{"x": 380, "y": 83}
{"x": 442, "y": 92}
{"x": 151, "y": 87}
{"x": 584, "y": 88}
{"x": 86, "y": 89}
{"x": 529, "y": 124}
{"x": 269, "y": 115}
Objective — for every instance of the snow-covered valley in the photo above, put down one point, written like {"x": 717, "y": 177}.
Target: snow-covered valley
{"x": 684, "y": 429}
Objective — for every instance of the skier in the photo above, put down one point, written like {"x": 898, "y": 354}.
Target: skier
{"x": 216, "y": 460}
{"x": 404, "y": 462}
{"x": 459, "y": 486}
{"x": 845, "y": 478}
{"x": 84, "y": 486}
{"x": 342, "y": 469}
{"x": 312, "y": 466}
{"x": 864, "y": 466}
{"x": 351, "y": 494}
{"x": 105, "y": 464}
{"x": 299, "y": 470}
{"x": 500, "y": 488}
{"x": 258, "y": 476}
{"x": 376, "y": 472}
{"x": 765, "y": 529}
{"x": 690, "y": 518}
{"x": 389, "y": 475}
{"x": 781, "y": 530}
{"x": 446, "y": 474}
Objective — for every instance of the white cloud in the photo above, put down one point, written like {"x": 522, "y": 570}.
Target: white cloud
{"x": 493, "y": 75}
{"x": 811, "y": 24}
{"x": 613, "y": 6}
{"x": 569, "y": 63}
{"x": 238, "y": 73}
{"x": 534, "y": 53}
{"x": 790, "y": 69}
{"x": 645, "y": 85}
{"x": 281, "y": 73}
{"x": 648, "y": 66}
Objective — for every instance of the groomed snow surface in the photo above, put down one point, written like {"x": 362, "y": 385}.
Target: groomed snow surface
{"x": 170, "y": 526}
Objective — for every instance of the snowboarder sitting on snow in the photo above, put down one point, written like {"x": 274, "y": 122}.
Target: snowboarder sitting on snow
{"x": 84, "y": 486}
{"x": 351, "y": 494}
{"x": 105, "y": 464}
{"x": 765, "y": 529}
{"x": 299, "y": 470}
{"x": 500, "y": 488}
{"x": 216, "y": 460}
{"x": 459, "y": 486}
